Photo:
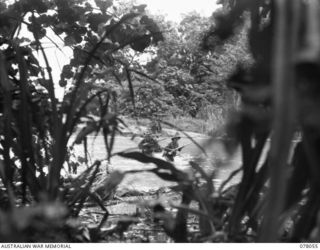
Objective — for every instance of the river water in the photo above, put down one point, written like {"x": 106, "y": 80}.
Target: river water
{"x": 216, "y": 160}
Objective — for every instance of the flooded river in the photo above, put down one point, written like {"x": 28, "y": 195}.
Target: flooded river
{"x": 149, "y": 181}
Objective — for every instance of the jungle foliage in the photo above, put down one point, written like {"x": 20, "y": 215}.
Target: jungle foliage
{"x": 182, "y": 78}
{"x": 195, "y": 77}
{"x": 36, "y": 127}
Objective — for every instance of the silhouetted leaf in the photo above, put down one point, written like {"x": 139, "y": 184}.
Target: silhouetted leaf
{"x": 153, "y": 27}
{"x": 92, "y": 126}
{"x": 141, "y": 43}
{"x": 161, "y": 164}
{"x": 130, "y": 86}
{"x": 104, "y": 4}
{"x": 299, "y": 177}
{"x": 165, "y": 176}
{"x": 95, "y": 20}
{"x": 69, "y": 40}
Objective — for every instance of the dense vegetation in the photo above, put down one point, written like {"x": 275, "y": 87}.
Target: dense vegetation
{"x": 268, "y": 51}
{"x": 185, "y": 80}
{"x": 36, "y": 127}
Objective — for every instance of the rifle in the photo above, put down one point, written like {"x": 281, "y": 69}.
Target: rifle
{"x": 176, "y": 149}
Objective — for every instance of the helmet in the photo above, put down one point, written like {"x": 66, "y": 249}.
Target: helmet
{"x": 147, "y": 134}
{"x": 176, "y": 136}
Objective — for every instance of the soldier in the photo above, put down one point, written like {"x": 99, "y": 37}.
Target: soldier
{"x": 155, "y": 127}
{"x": 149, "y": 145}
{"x": 170, "y": 151}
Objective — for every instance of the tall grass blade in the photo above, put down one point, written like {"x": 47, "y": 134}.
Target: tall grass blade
{"x": 7, "y": 116}
{"x": 27, "y": 154}
{"x": 84, "y": 193}
{"x": 130, "y": 87}
{"x": 285, "y": 33}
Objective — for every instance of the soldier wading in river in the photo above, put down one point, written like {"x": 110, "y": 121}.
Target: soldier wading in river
{"x": 170, "y": 151}
{"x": 149, "y": 145}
